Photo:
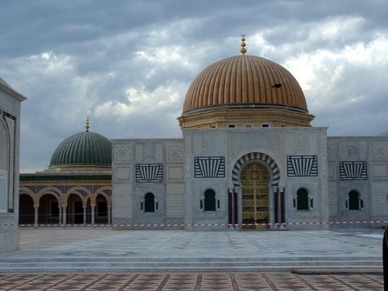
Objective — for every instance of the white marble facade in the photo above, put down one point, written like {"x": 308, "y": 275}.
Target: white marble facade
{"x": 358, "y": 165}
{"x": 332, "y": 169}
{"x": 10, "y": 102}
{"x": 346, "y": 177}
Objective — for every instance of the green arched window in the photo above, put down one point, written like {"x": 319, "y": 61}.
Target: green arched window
{"x": 302, "y": 199}
{"x": 149, "y": 202}
{"x": 210, "y": 200}
{"x": 354, "y": 200}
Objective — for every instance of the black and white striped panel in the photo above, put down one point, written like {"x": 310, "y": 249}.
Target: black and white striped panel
{"x": 353, "y": 170}
{"x": 209, "y": 167}
{"x": 302, "y": 166}
{"x": 149, "y": 173}
{"x": 256, "y": 157}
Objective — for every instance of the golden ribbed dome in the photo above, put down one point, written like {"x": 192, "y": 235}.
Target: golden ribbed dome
{"x": 244, "y": 82}
{"x": 245, "y": 91}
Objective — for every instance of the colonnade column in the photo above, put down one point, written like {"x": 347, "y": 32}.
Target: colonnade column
{"x": 84, "y": 212}
{"x": 93, "y": 206}
{"x": 64, "y": 214}
{"x": 60, "y": 215}
{"x": 36, "y": 214}
{"x": 109, "y": 214}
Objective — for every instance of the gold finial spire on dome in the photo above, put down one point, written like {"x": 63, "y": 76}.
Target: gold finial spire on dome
{"x": 87, "y": 124}
{"x": 243, "y": 50}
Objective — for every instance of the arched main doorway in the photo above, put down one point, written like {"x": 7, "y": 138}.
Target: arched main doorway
{"x": 255, "y": 179}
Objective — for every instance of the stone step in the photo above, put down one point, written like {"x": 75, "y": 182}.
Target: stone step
{"x": 95, "y": 258}
{"x": 72, "y": 269}
{"x": 338, "y": 271}
{"x": 66, "y": 264}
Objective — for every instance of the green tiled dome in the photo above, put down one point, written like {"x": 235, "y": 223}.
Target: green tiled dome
{"x": 82, "y": 149}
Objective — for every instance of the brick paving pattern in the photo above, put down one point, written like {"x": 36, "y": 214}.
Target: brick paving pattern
{"x": 187, "y": 281}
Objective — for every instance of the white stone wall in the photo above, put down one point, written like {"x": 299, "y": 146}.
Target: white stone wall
{"x": 122, "y": 181}
{"x": 175, "y": 202}
{"x": 379, "y": 201}
{"x": 181, "y": 190}
{"x": 142, "y": 166}
{"x": 10, "y": 103}
{"x": 277, "y": 143}
{"x": 373, "y": 152}
{"x": 308, "y": 142}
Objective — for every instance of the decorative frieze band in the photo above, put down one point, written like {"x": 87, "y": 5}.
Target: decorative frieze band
{"x": 209, "y": 167}
{"x": 302, "y": 166}
{"x": 355, "y": 170}
{"x": 149, "y": 173}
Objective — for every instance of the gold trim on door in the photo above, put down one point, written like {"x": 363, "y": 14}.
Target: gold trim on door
{"x": 255, "y": 196}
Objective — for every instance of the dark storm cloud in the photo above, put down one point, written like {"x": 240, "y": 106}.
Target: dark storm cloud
{"x": 128, "y": 64}
{"x": 39, "y": 24}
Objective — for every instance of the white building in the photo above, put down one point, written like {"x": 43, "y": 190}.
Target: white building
{"x": 249, "y": 159}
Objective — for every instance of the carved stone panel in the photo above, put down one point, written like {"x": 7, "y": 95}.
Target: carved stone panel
{"x": 122, "y": 153}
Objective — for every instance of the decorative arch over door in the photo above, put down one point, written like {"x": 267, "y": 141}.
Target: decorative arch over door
{"x": 274, "y": 169}
{"x": 276, "y": 194}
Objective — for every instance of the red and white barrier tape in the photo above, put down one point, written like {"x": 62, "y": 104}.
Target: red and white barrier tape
{"x": 182, "y": 225}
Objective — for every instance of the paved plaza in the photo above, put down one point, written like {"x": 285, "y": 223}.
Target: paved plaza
{"x": 85, "y": 258}
{"x": 188, "y": 281}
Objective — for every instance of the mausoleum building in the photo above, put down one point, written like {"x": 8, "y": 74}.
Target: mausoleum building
{"x": 249, "y": 159}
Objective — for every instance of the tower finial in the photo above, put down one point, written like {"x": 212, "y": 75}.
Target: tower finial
{"x": 243, "y": 50}
{"x": 87, "y": 124}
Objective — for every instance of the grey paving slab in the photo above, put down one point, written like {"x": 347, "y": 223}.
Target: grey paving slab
{"x": 104, "y": 249}
{"x": 178, "y": 243}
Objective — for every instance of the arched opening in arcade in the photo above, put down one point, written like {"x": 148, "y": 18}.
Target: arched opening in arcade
{"x": 26, "y": 209}
{"x": 74, "y": 212}
{"x": 48, "y": 211}
{"x": 101, "y": 210}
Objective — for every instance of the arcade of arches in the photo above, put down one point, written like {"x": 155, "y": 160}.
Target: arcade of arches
{"x": 76, "y": 188}
{"x": 65, "y": 203}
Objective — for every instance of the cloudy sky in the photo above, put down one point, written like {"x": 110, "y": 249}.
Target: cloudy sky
{"x": 128, "y": 64}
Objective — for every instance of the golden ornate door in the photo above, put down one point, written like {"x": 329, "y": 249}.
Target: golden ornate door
{"x": 255, "y": 196}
